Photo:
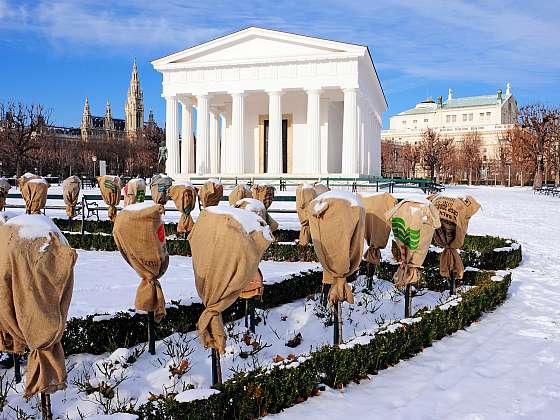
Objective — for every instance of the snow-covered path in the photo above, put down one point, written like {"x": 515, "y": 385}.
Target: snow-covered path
{"x": 506, "y": 366}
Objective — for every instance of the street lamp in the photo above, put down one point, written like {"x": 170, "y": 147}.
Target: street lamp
{"x": 94, "y": 159}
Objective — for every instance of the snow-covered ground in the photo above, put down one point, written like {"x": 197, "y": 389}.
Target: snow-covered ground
{"x": 505, "y": 366}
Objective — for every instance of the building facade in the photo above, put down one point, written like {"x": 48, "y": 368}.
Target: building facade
{"x": 269, "y": 102}
{"x": 106, "y": 126}
{"x": 490, "y": 116}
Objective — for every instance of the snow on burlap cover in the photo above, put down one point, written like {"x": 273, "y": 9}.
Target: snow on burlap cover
{"x": 413, "y": 224}
{"x": 255, "y": 287}
{"x": 227, "y": 245}
{"x": 305, "y": 193}
{"x": 454, "y": 214}
{"x": 36, "y": 282}
{"x": 184, "y": 197}
{"x": 134, "y": 191}
{"x": 71, "y": 192}
{"x": 337, "y": 223}
{"x": 110, "y": 187}
{"x": 240, "y": 192}
{"x": 211, "y": 193}
{"x": 4, "y": 190}
{"x": 140, "y": 236}
{"x": 34, "y": 192}
{"x": 159, "y": 186}
{"x": 378, "y": 228}
{"x": 264, "y": 193}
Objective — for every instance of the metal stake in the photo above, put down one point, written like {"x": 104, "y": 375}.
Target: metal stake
{"x": 151, "y": 333}
{"x": 216, "y": 368}
{"x": 408, "y": 301}
{"x": 17, "y": 368}
{"x": 337, "y": 325}
{"x": 325, "y": 288}
{"x": 46, "y": 411}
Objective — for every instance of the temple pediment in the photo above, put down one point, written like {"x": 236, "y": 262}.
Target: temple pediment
{"x": 256, "y": 44}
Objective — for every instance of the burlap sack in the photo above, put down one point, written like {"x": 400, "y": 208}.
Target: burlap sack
{"x": 304, "y": 195}
{"x": 134, "y": 191}
{"x": 378, "y": 227}
{"x": 413, "y": 225}
{"x": 26, "y": 177}
{"x": 71, "y": 192}
{"x": 225, "y": 257}
{"x": 240, "y": 192}
{"x": 259, "y": 209}
{"x": 159, "y": 186}
{"x": 264, "y": 193}
{"x": 211, "y": 193}
{"x": 454, "y": 214}
{"x": 4, "y": 190}
{"x": 110, "y": 187}
{"x": 34, "y": 192}
{"x": 36, "y": 282}
{"x": 255, "y": 286}
{"x": 184, "y": 197}
{"x": 337, "y": 223}
{"x": 140, "y": 236}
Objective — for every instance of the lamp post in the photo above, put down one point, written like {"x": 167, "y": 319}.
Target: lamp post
{"x": 508, "y": 163}
{"x": 93, "y": 160}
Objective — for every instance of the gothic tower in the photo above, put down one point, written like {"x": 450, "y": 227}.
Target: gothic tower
{"x": 108, "y": 123}
{"x": 134, "y": 107}
{"x": 87, "y": 123}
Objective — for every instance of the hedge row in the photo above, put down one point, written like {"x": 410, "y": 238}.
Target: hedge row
{"x": 257, "y": 393}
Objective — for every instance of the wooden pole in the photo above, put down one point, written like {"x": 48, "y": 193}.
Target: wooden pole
{"x": 17, "y": 368}
{"x": 408, "y": 301}
{"x": 452, "y": 284}
{"x": 216, "y": 368}
{"x": 337, "y": 325}
{"x": 46, "y": 411}
{"x": 151, "y": 333}
{"x": 83, "y": 216}
{"x": 252, "y": 317}
{"x": 247, "y": 313}
{"x": 325, "y": 288}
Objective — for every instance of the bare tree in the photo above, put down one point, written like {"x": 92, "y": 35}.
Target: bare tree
{"x": 435, "y": 151}
{"x": 410, "y": 154}
{"x": 22, "y": 130}
{"x": 470, "y": 153}
{"x": 538, "y": 120}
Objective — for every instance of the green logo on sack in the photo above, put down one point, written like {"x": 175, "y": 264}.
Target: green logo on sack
{"x": 109, "y": 184}
{"x": 140, "y": 196}
{"x": 409, "y": 237}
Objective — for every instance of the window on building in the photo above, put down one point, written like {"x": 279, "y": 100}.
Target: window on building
{"x": 414, "y": 121}
{"x": 464, "y": 117}
{"x": 425, "y": 120}
{"x": 448, "y": 118}
{"x": 454, "y": 118}
{"x": 470, "y": 116}
{"x": 488, "y": 115}
{"x": 404, "y": 122}
{"x": 482, "y": 116}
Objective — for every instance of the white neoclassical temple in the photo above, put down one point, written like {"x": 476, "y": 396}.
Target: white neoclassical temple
{"x": 270, "y": 102}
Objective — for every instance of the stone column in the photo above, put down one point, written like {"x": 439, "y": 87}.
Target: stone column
{"x": 202, "y": 135}
{"x": 274, "y": 163}
{"x": 314, "y": 131}
{"x": 172, "y": 135}
{"x": 214, "y": 140}
{"x": 350, "y": 158}
{"x": 238, "y": 133}
{"x": 187, "y": 140}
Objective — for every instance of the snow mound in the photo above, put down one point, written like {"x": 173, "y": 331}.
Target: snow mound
{"x": 33, "y": 226}
{"x": 253, "y": 204}
{"x": 195, "y": 394}
{"x": 139, "y": 206}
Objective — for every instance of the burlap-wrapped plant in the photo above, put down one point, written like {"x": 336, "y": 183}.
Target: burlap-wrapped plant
{"x": 337, "y": 223}
{"x": 305, "y": 193}
{"x": 25, "y": 178}
{"x": 71, "y": 192}
{"x": 263, "y": 193}
{"x": 4, "y": 190}
{"x": 184, "y": 197}
{"x": 454, "y": 214}
{"x": 34, "y": 192}
{"x": 36, "y": 282}
{"x": 211, "y": 193}
{"x": 320, "y": 188}
{"x": 255, "y": 287}
{"x": 378, "y": 227}
{"x": 240, "y": 192}
{"x": 159, "y": 185}
{"x": 227, "y": 245}
{"x": 134, "y": 191}
{"x": 140, "y": 236}
{"x": 110, "y": 187}
{"x": 413, "y": 225}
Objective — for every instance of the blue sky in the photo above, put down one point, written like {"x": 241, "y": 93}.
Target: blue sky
{"x": 57, "y": 52}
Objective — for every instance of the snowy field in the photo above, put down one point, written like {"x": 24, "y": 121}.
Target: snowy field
{"x": 505, "y": 366}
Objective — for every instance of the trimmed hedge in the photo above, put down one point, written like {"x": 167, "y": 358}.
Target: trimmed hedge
{"x": 253, "y": 394}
